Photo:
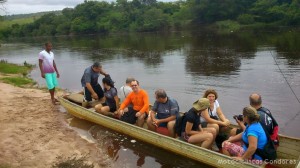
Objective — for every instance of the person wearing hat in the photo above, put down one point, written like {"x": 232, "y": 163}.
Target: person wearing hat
{"x": 111, "y": 98}
{"x": 191, "y": 130}
{"x": 253, "y": 137}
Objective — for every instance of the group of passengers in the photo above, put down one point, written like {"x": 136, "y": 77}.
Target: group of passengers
{"x": 200, "y": 125}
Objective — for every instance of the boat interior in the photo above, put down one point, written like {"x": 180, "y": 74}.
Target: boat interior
{"x": 287, "y": 152}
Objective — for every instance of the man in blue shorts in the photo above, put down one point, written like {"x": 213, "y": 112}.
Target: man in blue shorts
{"x": 163, "y": 113}
{"x": 48, "y": 70}
{"x": 89, "y": 82}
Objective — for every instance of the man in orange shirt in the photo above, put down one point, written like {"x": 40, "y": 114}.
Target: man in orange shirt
{"x": 140, "y": 105}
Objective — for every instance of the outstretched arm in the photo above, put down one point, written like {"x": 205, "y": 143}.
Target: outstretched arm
{"x": 103, "y": 72}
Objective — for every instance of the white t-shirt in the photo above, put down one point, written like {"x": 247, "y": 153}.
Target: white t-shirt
{"x": 47, "y": 61}
{"x": 213, "y": 112}
{"x": 123, "y": 92}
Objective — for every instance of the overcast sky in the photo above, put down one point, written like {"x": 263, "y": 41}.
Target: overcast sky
{"x": 32, "y": 6}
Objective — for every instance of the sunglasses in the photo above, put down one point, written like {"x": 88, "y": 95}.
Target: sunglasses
{"x": 133, "y": 85}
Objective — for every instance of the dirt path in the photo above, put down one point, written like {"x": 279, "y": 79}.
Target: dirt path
{"x": 33, "y": 132}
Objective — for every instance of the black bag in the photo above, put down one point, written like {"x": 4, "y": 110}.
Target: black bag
{"x": 178, "y": 124}
{"x": 221, "y": 137}
{"x": 211, "y": 115}
{"x": 269, "y": 151}
{"x": 214, "y": 117}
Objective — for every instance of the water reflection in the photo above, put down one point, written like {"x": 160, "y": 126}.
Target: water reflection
{"x": 288, "y": 46}
{"x": 146, "y": 48}
{"x": 211, "y": 54}
{"x": 128, "y": 152}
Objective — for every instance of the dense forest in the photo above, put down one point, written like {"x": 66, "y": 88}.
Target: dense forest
{"x": 149, "y": 15}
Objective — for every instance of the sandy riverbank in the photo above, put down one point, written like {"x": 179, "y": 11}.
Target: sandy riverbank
{"x": 33, "y": 132}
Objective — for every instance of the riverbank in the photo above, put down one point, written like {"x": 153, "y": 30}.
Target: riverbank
{"x": 35, "y": 133}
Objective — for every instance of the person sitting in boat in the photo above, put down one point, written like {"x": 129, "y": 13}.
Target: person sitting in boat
{"x": 163, "y": 113}
{"x": 140, "y": 105}
{"x": 253, "y": 135}
{"x": 191, "y": 130}
{"x": 89, "y": 82}
{"x": 214, "y": 117}
{"x": 125, "y": 90}
{"x": 266, "y": 119}
{"x": 109, "y": 108}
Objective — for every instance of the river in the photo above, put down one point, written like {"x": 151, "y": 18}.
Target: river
{"x": 185, "y": 64}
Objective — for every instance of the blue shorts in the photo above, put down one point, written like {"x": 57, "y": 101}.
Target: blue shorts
{"x": 164, "y": 124}
{"x": 51, "y": 80}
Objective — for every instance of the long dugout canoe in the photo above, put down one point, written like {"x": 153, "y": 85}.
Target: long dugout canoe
{"x": 288, "y": 152}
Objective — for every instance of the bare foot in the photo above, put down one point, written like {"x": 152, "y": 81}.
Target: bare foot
{"x": 55, "y": 101}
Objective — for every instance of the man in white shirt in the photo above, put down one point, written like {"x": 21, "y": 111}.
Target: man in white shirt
{"x": 125, "y": 90}
{"x": 48, "y": 70}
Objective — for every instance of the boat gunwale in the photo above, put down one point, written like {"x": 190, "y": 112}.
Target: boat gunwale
{"x": 228, "y": 161}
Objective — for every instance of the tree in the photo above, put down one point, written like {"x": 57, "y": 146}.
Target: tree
{"x": 1, "y": 5}
{"x": 154, "y": 20}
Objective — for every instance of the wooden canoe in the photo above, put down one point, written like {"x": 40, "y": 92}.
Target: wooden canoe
{"x": 288, "y": 151}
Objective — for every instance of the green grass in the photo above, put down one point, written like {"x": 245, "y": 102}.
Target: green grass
{"x": 17, "y": 81}
{"x": 8, "y": 23}
{"x": 12, "y": 73}
{"x": 8, "y": 68}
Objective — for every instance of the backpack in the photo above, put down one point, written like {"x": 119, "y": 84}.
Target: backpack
{"x": 274, "y": 129}
{"x": 268, "y": 153}
{"x": 178, "y": 124}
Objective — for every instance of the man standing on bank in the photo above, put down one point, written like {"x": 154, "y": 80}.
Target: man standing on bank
{"x": 48, "y": 70}
{"x": 89, "y": 82}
